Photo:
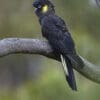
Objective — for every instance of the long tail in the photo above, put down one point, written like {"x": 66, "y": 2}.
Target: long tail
{"x": 75, "y": 60}
{"x": 67, "y": 66}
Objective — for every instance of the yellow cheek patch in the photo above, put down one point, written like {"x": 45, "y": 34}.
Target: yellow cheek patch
{"x": 45, "y": 8}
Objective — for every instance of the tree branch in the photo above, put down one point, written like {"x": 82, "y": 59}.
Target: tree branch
{"x": 98, "y": 3}
{"x": 42, "y": 47}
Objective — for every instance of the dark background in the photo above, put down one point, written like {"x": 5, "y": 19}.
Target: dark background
{"x": 34, "y": 77}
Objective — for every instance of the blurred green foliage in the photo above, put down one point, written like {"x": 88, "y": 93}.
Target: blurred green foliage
{"x": 28, "y": 77}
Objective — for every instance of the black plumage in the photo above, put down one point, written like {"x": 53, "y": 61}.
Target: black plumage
{"x": 55, "y": 31}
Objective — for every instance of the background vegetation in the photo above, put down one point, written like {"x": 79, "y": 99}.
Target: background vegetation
{"x": 33, "y": 77}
